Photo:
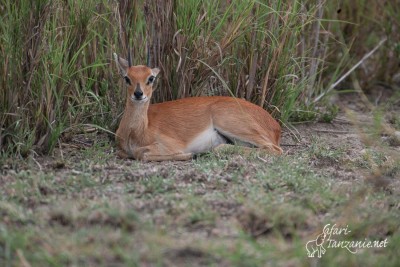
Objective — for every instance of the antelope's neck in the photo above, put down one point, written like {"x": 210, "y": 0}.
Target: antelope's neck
{"x": 135, "y": 120}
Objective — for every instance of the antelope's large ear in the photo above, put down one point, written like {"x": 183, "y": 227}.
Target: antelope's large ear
{"x": 122, "y": 65}
{"x": 155, "y": 72}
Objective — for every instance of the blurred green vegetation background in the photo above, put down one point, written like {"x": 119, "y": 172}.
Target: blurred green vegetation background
{"x": 57, "y": 73}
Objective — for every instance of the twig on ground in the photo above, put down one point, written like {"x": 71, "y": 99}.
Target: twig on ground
{"x": 37, "y": 163}
{"x": 22, "y": 259}
{"x": 343, "y": 120}
{"x": 292, "y": 132}
{"x": 263, "y": 160}
{"x": 61, "y": 151}
{"x": 291, "y": 144}
{"x": 333, "y": 131}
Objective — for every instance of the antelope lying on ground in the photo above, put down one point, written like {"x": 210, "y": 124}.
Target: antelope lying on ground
{"x": 176, "y": 130}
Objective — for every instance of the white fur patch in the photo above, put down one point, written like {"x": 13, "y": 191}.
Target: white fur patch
{"x": 205, "y": 141}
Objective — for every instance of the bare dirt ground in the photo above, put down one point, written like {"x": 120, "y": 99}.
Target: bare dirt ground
{"x": 85, "y": 207}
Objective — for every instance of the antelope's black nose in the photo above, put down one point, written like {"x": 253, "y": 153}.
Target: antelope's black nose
{"x": 138, "y": 92}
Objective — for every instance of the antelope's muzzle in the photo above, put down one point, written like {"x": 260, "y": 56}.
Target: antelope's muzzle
{"x": 138, "y": 93}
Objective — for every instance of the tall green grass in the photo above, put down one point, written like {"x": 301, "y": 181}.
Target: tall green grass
{"x": 251, "y": 49}
{"x": 56, "y": 72}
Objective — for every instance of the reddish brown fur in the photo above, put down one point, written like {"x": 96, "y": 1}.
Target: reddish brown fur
{"x": 163, "y": 131}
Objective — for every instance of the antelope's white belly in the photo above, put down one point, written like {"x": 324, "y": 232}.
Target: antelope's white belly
{"x": 205, "y": 141}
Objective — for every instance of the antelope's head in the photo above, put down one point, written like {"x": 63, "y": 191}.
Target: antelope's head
{"x": 139, "y": 79}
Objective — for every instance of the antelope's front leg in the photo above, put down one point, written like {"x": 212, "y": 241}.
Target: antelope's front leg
{"x": 153, "y": 153}
{"x": 169, "y": 157}
{"x": 123, "y": 155}
{"x": 140, "y": 152}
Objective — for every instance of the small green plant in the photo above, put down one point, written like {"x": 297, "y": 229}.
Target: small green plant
{"x": 307, "y": 115}
{"x": 156, "y": 184}
{"x": 329, "y": 114}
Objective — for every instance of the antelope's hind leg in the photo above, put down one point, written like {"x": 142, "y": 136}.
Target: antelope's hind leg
{"x": 250, "y": 140}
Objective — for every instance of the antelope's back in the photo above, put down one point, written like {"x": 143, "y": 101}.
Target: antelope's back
{"x": 187, "y": 116}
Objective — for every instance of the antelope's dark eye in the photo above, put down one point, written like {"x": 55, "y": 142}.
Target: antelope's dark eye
{"x": 151, "y": 79}
{"x": 127, "y": 80}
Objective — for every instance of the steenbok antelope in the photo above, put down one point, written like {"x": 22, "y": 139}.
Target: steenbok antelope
{"x": 176, "y": 130}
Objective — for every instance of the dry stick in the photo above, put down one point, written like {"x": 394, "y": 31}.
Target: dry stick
{"x": 334, "y": 131}
{"x": 262, "y": 159}
{"x": 61, "y": 152}
{"x": 350, "y": 71}
{"x": 292, "y": 132}
{"x": 343, "y": 120}
{"x": 291, "y": 144}
{"x": 118, "y": 17}
{"x": 314, "y": 61}
{"x": 22, "y": 259}
{"x": 265, "y": 85}
{"x": 37, "y": 163}
{"x": 253, "y": 63}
